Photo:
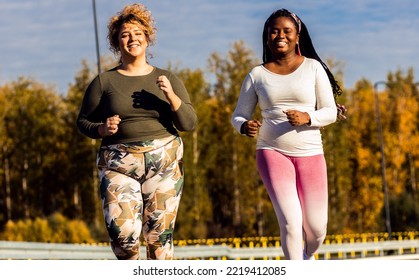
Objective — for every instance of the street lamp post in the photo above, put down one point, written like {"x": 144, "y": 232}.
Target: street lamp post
{"x": 383, "y": 158}
{"x": 93, "y": 141}
{"x": 96, "y": 37}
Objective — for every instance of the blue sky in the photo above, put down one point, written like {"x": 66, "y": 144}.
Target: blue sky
{"x": 47, "y": 39}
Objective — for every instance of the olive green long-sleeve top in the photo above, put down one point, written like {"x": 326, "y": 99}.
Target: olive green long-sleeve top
{"x": 143, "y": 108}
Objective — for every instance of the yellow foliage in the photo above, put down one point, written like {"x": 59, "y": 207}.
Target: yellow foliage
{"x": 55, "y": 229}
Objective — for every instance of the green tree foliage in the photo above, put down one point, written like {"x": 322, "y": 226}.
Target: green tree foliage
{"x": 34, "y": 146}
{"x": 239, "y": 203}
{"x": 339, "y": 171}
{"x": 82, "y": 174}
{"x": 194, "y": 213}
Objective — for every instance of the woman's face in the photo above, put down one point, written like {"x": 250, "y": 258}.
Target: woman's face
{"x": 282, "y": 36}
{"x": 132, "y": 40}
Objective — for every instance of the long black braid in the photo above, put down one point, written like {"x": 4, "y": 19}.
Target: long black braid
{"x": 306, "y": 47}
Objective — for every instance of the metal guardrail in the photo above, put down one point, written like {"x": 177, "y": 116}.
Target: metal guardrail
{"x": 398, "y": 249}
{"x": 16, "y": 250}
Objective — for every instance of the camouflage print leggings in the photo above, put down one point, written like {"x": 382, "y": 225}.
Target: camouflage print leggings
{"x": 140, "y": 187}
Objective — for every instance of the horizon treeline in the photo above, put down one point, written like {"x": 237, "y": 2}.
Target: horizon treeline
{"x": 48, "y": 167}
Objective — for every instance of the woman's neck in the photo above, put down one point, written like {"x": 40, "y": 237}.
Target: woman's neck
{"x": 284, "y": 64}
{"x": 135, "y": 67}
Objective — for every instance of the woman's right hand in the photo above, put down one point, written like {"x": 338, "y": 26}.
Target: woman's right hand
{"x": 251, "y": 127}
{"x": 110, "y": 127}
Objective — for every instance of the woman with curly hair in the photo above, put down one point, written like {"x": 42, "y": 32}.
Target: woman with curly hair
{"x": 137, "y": 110}
{"x": 295, "y": 91}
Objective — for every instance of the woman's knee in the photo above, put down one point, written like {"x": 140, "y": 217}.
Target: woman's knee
{"x": 125, "y": 249}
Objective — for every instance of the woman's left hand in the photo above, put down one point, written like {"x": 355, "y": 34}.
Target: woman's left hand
{"x": 164, "y": 85}
{"x": 341, "y": 112}
{"x": 297, "y": 118}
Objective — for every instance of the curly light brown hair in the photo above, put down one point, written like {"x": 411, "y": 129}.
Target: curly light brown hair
{"x": 135, "y": 14}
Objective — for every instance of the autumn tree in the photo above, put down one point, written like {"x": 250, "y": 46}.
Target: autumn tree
{"x": 84, "y": 201}
{"x": 239, "y": 199}
{"x": 34, "y": 149}
{"x": 400, "y": 110}
{"x": 195, "y": 213}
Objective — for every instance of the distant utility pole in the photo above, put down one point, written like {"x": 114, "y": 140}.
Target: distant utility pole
{"x": 97, "y": 37}
{"x": 94, "y": 145}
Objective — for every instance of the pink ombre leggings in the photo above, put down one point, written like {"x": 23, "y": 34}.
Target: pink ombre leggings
{"x": 297, "y": 187}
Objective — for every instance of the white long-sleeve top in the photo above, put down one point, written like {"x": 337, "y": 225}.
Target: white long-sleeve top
{"x": 307, "y": 89}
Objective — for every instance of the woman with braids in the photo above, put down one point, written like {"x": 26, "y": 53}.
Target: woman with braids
{"x": 295, "y": 91}
{"x": 137, "y": 109}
